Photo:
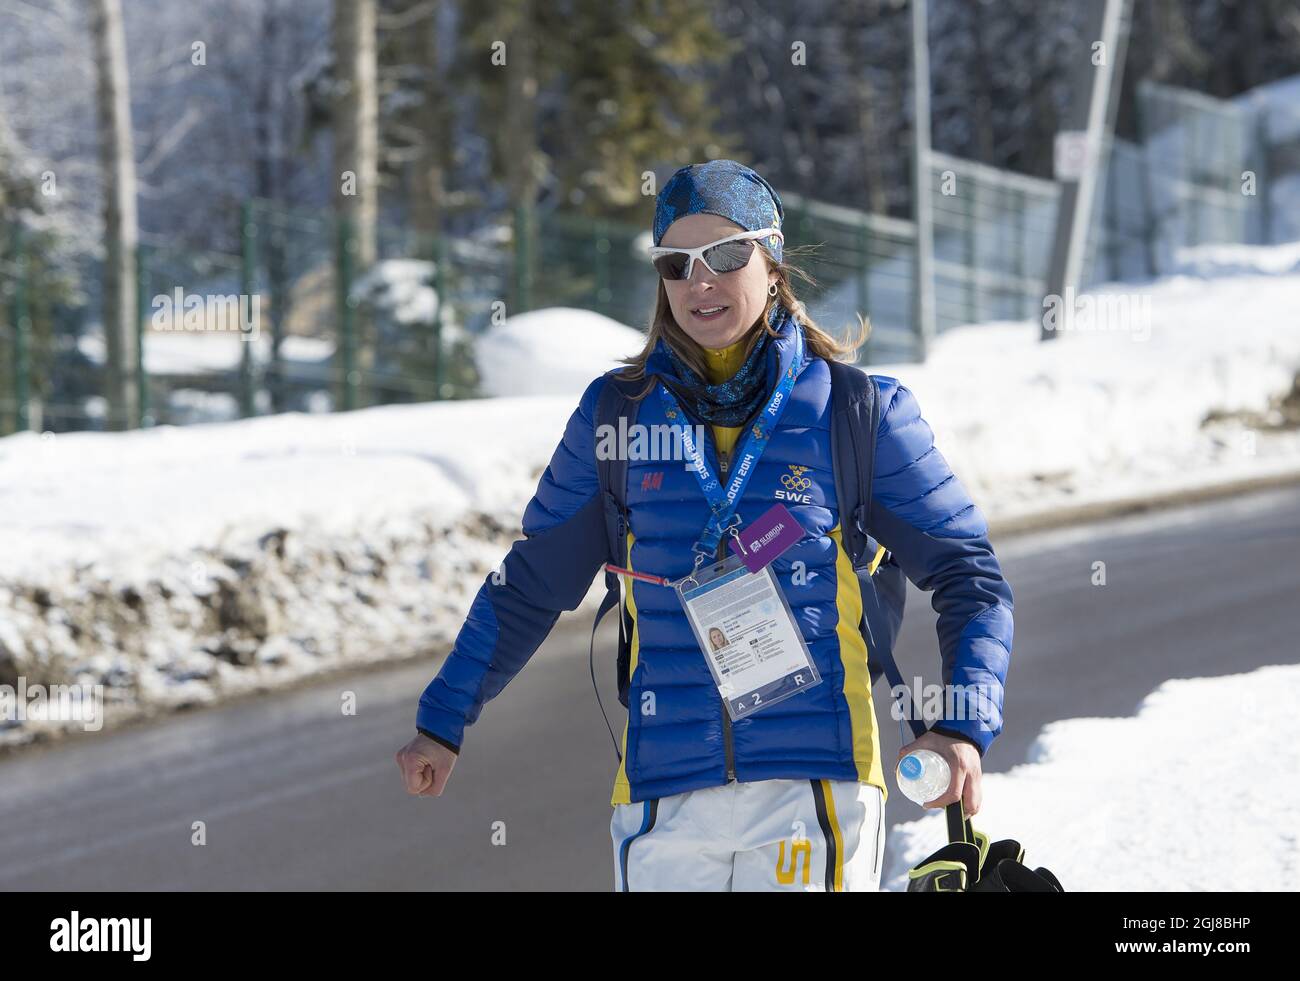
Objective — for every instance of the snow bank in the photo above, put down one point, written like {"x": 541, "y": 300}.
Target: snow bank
{"x": 122, "y": 500}
{"x": 1133, "y": 805}
{"x": 176, "y": 566}
{"x": 552, "y": 352}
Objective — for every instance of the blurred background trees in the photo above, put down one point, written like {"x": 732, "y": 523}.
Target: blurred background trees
{"x": 605, "y": 89}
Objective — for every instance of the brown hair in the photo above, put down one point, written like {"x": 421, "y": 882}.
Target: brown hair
{"x": 820, "y": 343}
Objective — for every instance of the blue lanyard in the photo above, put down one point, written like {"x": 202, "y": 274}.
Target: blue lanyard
{"x": 723, "y": 502}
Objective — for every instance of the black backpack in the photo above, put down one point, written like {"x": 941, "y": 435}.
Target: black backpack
{"x": 855, "y": 419}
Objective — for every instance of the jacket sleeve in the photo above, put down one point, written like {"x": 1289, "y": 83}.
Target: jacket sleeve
{"x": 924, "y": 516}
{"x": 548, "y": 571}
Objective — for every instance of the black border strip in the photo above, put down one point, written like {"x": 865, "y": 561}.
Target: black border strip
{"x": 828, "y": 833}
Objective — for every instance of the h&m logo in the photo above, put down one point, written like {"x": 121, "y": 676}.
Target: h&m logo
{"x": 652, "y": 481}
{"x": 795, "y": 483}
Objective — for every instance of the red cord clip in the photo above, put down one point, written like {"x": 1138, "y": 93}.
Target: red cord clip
{"x": 643, "y": 576}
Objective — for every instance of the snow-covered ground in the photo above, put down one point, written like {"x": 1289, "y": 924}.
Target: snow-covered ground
{"x": 179, "y": 564}
{"x": 1166, "y": 812}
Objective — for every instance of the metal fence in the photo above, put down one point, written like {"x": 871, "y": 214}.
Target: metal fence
{"x": 596, "y": 265}
{"x": 289, "y": 324}
{"x": 992, "y": 238}
{"x": 1215, "y": 170}
{"x": 1195, "y": 151}
{"x": 1120, "y": 240}
{"x": 861, "y": 262}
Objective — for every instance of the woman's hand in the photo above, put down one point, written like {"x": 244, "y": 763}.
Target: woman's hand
{"x": 426, "y": 765}
{"x": 964, "y": 764}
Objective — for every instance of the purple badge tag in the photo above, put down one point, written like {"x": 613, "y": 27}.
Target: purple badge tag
{"x": 765, "y": 539}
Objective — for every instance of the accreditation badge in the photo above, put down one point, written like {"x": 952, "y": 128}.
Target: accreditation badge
{"x": 751, "y": 642}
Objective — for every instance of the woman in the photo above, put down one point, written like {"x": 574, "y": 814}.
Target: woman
{"x": 791, "y": 794}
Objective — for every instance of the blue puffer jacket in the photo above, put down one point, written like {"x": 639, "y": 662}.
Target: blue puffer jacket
{"x": 678, "y": 736}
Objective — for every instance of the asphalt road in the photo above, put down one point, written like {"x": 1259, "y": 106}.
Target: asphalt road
{"x": 293, "y": 794}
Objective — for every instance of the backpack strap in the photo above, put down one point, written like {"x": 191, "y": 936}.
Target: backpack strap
{"x": 855, "y": 422}
{"x": 855, "y": 406}
{"x": 615, "y": 402}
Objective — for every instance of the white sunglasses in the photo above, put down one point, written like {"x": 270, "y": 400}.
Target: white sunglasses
{"x": 723, "y": 256}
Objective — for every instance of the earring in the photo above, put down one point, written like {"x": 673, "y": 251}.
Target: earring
{"x": 772, "y": 289}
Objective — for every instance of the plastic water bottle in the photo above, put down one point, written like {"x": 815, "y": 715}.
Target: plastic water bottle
{"x": 923, "y": 775}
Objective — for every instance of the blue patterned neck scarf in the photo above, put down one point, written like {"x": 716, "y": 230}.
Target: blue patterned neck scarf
{"x": 734, "y": 401}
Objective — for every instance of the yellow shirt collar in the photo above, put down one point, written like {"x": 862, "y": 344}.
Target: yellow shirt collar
{"x": 723, "y": 362}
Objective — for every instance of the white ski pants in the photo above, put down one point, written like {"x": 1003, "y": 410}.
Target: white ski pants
{"x": 782, "y": 835}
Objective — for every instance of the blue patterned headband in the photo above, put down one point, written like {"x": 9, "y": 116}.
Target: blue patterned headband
{"x": 721, "y": 187}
